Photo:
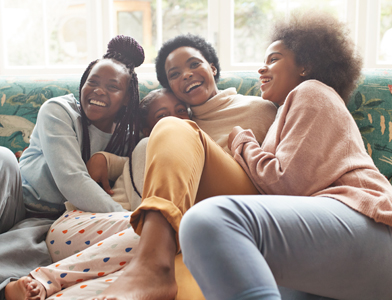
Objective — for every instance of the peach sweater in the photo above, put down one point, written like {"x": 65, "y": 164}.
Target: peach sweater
{"x": 314, "y": 148}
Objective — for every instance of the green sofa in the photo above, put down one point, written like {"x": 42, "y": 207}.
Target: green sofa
{"x": 370, "y": 105}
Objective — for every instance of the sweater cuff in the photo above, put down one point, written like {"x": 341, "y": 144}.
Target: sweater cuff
{"x": 243, "y": 137}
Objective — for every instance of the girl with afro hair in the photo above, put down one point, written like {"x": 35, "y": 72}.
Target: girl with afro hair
{"x": 322, "y": 222}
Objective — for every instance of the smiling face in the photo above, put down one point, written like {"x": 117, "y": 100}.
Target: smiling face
{"x": 164, "y": 104}
{"x": 104, "y": 93}
{"x": 190, "y": 76}
{"x": 280, "y": 74}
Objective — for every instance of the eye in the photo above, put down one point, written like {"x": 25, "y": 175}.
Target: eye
{"x": 114, "y": 87}
{"x": 173, "y": 75}
{"x": 92, "y": 82}
{"x": 161, "y": 116}
{"x": 182, "y": 110}
{"x": 195, "y": 64}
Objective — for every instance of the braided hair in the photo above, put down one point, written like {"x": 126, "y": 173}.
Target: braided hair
{"x": 128, "y": 52}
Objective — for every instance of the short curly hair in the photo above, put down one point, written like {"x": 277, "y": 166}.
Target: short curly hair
{"x": 323, "y": 46}
{"x": 188, "y": 40}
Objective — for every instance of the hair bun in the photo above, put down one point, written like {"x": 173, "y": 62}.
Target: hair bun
{"x": 128, "y": 48}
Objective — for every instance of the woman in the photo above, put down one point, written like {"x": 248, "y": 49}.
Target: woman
{"x": 53, "y": 169}
{"x": 184, "y": 164}
{"x": 329, "y": 232}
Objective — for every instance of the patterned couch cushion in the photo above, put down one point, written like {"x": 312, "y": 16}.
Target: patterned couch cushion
{"x": 370, "y": 105}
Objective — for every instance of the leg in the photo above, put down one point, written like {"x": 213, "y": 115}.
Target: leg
{"x": 76, "y": 230}
{"x": 183, "y": 166}
{"x": 12, "y": 208}
{"x": 316, "y": 245}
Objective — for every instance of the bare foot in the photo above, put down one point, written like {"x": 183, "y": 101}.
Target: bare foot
{"x": 150, "y": 274}
{"x": 142, "y": 281}
{"x": 25, "y": 288}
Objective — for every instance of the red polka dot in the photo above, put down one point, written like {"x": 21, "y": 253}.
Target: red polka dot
{"x": 65, "y": 231}
{"x": 101, "y": 273}
{"x": 99, "y": 231}
{"x": 81, "y": 231}
{"x": 123, "y": 263}
{"x": 83, "y": 286}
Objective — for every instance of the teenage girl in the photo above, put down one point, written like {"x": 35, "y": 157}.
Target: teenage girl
{"x": 52, "y": 170}
{"x": 323, "y": 223}
{"x": 102, "y": 258}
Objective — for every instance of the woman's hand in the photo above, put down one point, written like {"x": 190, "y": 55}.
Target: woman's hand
{"x": 98, "y": 170}
{"x": 236, "y": 130}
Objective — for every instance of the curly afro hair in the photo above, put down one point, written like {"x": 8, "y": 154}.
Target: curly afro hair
{"x": 323, "y": 46}
{"x": 187, "y": 40}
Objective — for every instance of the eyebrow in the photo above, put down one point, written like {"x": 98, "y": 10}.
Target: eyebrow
{"x": 269, "y": 55}
{"x": 97, "y": 76}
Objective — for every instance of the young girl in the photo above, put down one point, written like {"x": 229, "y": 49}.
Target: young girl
{"x": 72, "y": 272}
{"x": 184, "y": 164}
{"x": 53, "y": 169}
{"x": 329, "y": 233}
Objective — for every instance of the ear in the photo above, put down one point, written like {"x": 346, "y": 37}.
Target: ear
{"x": 304, "y": 72}
{"x": 146, "y": 131}
{"x": 213, "y": 68}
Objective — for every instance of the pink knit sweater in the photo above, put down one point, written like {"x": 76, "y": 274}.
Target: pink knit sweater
{"x": 314, "y": 148}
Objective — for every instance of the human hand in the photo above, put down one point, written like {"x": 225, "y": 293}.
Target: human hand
{"x": 98, "y": 170}
{"x": 236, "y": 130}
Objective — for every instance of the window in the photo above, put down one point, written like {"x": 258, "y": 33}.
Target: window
{"x": 63, "y": 36}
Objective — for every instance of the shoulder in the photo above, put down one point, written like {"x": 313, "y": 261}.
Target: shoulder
{"x": 59, "y": 105}
{"x": 314, "y": 93}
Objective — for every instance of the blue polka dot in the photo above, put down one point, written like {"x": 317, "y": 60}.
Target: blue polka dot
{"x": 110, "y": 215}
{"x": 128, "y": 249}
{"x": 126, "y": 216}
{"x": 52, "y": 241}
{"x": 106, "y": 259}
{"x": 87, "y": 242}
{"x": 86, "y": 270}
{"x": 62, "y": 275}
{"x": 77, "y": 218}
{"x": 66, "y": 216}
{"x": 92, "y": 217}
{"x": 68, "y": 242}
{"x": 49, "y": 282}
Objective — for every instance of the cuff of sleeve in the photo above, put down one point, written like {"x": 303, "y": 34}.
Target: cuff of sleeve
{"x": 171, "y": 212}
{"x": 243, "y": 137}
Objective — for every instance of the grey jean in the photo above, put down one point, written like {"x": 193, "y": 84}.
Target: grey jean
{"x": 242, "y": 247}
{"x": 22, "y": 241}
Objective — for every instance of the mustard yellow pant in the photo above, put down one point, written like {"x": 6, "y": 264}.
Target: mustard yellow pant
{"x": 184, "y": 166}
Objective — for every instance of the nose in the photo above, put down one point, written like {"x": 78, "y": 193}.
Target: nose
{"x": 262, "y": 69}
{"x": 187, "y": 74}
{"x": 99, "y": 91}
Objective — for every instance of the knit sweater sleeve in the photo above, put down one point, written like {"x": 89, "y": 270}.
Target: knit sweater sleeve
{"x": 61, "y": 149}
{"x": 303, "y": 145}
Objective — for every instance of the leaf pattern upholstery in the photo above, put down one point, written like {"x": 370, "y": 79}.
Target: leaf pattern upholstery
{"x": 370, "y": 105}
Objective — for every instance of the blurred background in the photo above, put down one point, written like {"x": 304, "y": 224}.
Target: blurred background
{"x": 63, "y": 36}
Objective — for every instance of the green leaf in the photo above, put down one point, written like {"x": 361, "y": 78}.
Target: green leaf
{"x": 359, "y": 99}
{"x": 366, "y": 129}
{"x": 373, "y": 102}
{"x": 357, "y": 115}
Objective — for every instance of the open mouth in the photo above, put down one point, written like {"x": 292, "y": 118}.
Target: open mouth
{"x": 192, "y": 86}
{"x": 265, "y": 80}
{"x": 97, "y": 103}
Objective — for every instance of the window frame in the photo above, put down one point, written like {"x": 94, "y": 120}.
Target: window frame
{"x": 362, "y": 18}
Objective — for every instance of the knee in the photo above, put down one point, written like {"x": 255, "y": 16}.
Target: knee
{"x": 201, "y": 223}
{"x": 8, "y": 161}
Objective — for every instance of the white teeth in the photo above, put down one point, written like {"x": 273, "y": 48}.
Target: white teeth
{"x": 192, "y": 85}
{"x": 96, "y": 102}
{"x": 265, "y": 80}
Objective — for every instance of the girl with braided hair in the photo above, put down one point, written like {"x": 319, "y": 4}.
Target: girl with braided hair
{"x": 52, "y": 170}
